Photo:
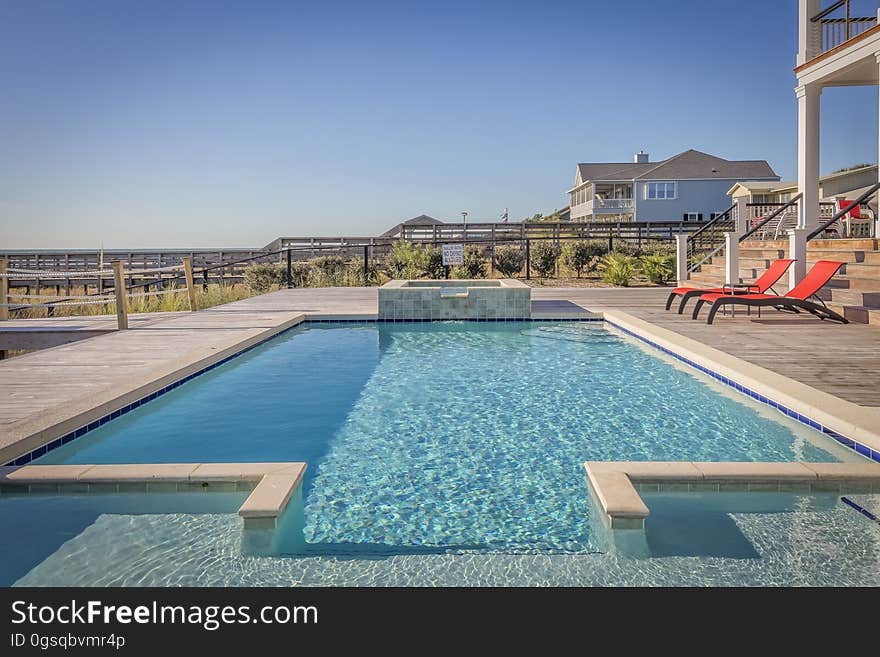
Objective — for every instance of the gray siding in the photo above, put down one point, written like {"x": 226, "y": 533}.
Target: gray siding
{"x": 706, "y": 196}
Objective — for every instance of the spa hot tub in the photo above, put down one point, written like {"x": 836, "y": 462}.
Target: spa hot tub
{"x": 454, "y": 299}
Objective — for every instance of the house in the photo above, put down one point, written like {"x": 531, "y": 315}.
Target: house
{"x": 836, "y": 48}
{"x": 761, "y": 195}
{"x": 690, "y": 186}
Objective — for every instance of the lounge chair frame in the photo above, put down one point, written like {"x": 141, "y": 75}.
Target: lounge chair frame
{"x": 791, "y": 304}
{"x": 697, "y": 292}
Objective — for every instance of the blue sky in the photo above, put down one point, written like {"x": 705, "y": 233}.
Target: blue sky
{"x": 230, "y": 123}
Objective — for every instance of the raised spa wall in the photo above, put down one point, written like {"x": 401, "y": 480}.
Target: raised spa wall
{"x": 454, "y": 299}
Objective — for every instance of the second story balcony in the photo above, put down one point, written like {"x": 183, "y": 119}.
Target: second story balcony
{"x": 836, "y": 24}
{"x": 837, "y": 45}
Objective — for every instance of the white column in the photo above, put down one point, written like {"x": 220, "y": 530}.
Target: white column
{"x": 809, "y": 35}
{"x": 742, "y": 214}
{"x": 797, "y": 244}
{"x": 808, "y": 154}
{"x": 681, "y": 258}
{"x": 808, "y": 178}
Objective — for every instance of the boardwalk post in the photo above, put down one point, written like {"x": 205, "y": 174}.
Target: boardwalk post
{"x": 4, "y": 289}
{"x": 190, "y": 284}
{"x": 290, "y": 270}
{"x": 366, "y": 265}
{"x": 121, "y": 297}
{"x": 528, "y": 261}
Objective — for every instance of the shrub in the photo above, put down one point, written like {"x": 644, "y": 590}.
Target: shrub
{"x": 658, "y": 267}
{"x": 543, "y": 257}
{"x": 434, "y": 263}
{"x": 663, "y": 248}
{"x": 408, "y": 260}
{"x": 580, "y": 255}
{"x": 625, "y": 248}
{"x": 509, "y": 260}
{"x": 300, "y": 273}
{"x": 618, "y": 268}
{"x": 328, "y": 271}
{"x": 355, "y": 273}
{"x": 262, "y": 277}
{"x": 474, "y": 264}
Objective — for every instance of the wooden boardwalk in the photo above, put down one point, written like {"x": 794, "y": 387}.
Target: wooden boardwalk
{"x": 43, "y": 390}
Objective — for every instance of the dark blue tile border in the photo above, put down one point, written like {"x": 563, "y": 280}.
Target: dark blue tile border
{"x": 76, "y": 433}
{"x": 860, "y": 509}
{"x": 854, "y": 445}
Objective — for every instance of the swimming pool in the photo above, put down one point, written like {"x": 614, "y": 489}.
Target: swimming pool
{"x": 449, "y": 437}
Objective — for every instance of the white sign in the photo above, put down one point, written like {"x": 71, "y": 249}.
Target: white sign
{"x": 453, "y": 254}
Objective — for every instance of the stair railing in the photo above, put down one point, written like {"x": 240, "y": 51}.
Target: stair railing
{"x": 708, "y": 240}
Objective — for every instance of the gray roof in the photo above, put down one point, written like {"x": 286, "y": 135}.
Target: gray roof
{"x": 690, "y": 164}
{"x": 422, "y": 219}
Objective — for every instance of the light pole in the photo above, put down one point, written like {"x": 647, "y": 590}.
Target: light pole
{"x": 464, "y": 215}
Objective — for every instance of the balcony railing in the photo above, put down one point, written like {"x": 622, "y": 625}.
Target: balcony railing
{"x": 613, "y": 204}
{"x": 835, "y": 30}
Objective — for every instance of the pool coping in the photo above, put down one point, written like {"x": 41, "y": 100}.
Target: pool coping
{"x": 617, "y": 484}
{"x": 271, "y": 484}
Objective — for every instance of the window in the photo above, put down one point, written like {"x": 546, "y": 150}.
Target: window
{"x": 695, "y": 216}
{"x": 660, "y": 190}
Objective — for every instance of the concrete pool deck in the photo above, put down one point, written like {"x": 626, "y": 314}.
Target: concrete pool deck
{"x": 828, "y": 368}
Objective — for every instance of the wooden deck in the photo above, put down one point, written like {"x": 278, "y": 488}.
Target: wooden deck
{"x": 43, "y": 388}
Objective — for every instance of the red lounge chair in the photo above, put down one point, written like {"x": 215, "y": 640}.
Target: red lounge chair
{"x": 794, "y": 300}
{"x": 766, "y": 282}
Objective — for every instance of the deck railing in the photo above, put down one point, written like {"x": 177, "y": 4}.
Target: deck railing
{"x": 613, "y": 203}
{"x": 836, "y": 30}
{"x": 838, "y": 217}
{"x": 708, "y": 240}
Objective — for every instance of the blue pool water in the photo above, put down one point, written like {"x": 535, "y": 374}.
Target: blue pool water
{"x": 447, "y": 436}
{"x": 695, "y": 539}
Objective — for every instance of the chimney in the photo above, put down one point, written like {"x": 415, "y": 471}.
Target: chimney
{"x": 641, "y": 158}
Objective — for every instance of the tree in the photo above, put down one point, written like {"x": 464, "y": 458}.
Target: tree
{"x": 578, "y": 255}
{"x": 543, "y": 257}
{"x": 509, "y": 260}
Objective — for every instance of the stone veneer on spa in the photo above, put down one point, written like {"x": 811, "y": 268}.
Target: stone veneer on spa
{"x": 455, "y": 299}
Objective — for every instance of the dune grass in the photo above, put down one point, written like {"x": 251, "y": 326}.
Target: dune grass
{"x": 214, "y": 296}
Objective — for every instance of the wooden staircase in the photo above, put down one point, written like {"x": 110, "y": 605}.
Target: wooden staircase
{"x": 854, "y": 292}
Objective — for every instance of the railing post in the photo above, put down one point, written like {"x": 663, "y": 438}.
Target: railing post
{"x": 528, "y": 260}
{"x": 290, "y": 269}
{"x": 190, "y": 284}
{"x": 742, "y": 214}
{"x": 121, "y": 296}
{"x": 681, "y": 258}
{"x": 731, "y": 257}
{"x": 797, "y": 249}
{"x": 4, "y": 289}
{"x": 366, "y": 264}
